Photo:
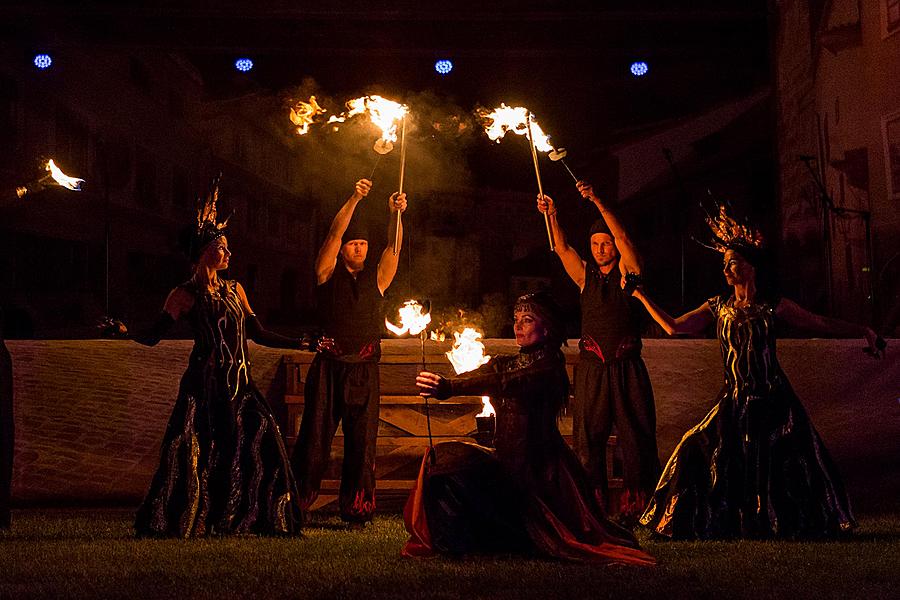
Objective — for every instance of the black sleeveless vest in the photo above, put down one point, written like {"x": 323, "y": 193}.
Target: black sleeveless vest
{"x": 351, "y": 312}
{"x": 610, "y": 320}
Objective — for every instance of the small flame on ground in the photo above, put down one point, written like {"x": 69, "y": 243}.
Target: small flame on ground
{"x": 412, "y": 319}
{"x": 303, "y": 114}
{"x": 70, "y": 183}
{"x": 467, "y": 353}
{"x": 383, "y": 113}
{"x": 488, "y": 409}
{"x": 498, "y": 121}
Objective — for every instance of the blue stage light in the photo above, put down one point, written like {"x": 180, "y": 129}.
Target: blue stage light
{"x": 42, "y": 61}
{"x": 243, "y": 64}
{"x": 639, "y": 68}
{"x": 443, "y": 66}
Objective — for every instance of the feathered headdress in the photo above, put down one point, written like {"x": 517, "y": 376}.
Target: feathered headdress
{"x": 729, "y": 234}
{"x": 207, "y": 228}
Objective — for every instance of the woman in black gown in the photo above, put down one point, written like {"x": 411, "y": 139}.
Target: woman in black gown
{"x": 755, "y": 466}
{"x": 530, "y": 494}
{"x": 223, "y": 466}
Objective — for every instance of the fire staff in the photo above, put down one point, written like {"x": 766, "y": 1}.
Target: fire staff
{"x": 343, "y": 383}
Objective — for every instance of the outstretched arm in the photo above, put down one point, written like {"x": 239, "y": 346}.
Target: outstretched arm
{"x": 328, "y": 253}
{"x": 692, "y": 323}
{"x": 261, "y": 335}
{"x": 572, "y": 263}
{"x": 630, "y": 261}
{"x": 796, "y": 316}
{"x": 387, "y": 264}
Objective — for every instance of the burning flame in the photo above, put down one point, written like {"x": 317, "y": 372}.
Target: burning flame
{"x": 303, "y": 114}
{"x": 412, "y": 319}
{"x": 499, "y": 121}
{"x": 382, "y": 112}
{"x": 70, "y": 183}
{"x": 467, "y": 353}
{"x": 488, "y": 409}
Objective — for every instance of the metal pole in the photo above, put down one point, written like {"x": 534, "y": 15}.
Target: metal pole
{"x": 427, "y": 411}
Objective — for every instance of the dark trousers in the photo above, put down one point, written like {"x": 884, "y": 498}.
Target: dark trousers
{"x": 7, "y": 431}
{"x": 617, "y": 393}
{"x": 336, "y": 392}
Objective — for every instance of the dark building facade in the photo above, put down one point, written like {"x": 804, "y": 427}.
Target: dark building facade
{"x": 139, "y": 127}
{"x": 837, "y": 64}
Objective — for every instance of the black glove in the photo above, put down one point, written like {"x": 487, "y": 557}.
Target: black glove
{"x": 260, "y": 335}
{"x": 632, "y": 282}
{"x": 112, "y": 328}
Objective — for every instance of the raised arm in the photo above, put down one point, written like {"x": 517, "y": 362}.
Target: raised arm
{"x": 328, "y": 253}
{"x": 690, "y": 323}
{"x": 630, "y": 261}
{"x": 387, "y": 264}
{"x": 796, "y": 316}
{"x": 572, "y": 263}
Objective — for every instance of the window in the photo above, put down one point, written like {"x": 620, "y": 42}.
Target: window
{"x": 890, "y": 17}
{"x": 891, "y": 129}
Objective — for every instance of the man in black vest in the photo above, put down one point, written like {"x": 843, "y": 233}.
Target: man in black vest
{"x": 342, "y": 383}
{"x": 612, "y": 386}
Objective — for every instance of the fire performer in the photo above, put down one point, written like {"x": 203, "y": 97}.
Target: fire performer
{"x": 755, "y": 466}
{"x": 223, "y": 466}
{"x": 7, "y": 430}
{"x": 343, "y": 383}
{"x": 612, "y": 386}
{"x": 530, "y": 494}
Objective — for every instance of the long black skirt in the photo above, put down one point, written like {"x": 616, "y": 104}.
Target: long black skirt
{"x": 223, "y": 469}
{"x": 755, "y": 467}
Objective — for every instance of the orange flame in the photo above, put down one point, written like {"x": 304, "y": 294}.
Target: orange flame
{"x": 412, "y": 319}
{"x": 488, "y": 409}
{"x": 70, "y": 183}
{"x": 383, "y": 113}
{"x": 303, "y": 114}
{"x": 498, "y": 121}
{"x": 467, "y": 353}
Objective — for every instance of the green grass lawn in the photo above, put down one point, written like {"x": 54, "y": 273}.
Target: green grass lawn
{"x": 90, "y": 553}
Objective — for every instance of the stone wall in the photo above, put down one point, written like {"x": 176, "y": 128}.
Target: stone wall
{"x": 90, "y": 414}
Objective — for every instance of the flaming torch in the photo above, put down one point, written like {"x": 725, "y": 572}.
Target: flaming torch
{"x": 466, "y": 355}
{"x": 520, "y": 121}
{"x": 414, "y": 321}
{"x": 54, "y": 176}
{"x": 384, "y": 114}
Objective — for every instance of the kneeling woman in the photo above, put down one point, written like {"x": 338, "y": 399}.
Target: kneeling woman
{"x": 529, "y": 495}
{"x": 223, "y": 467}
